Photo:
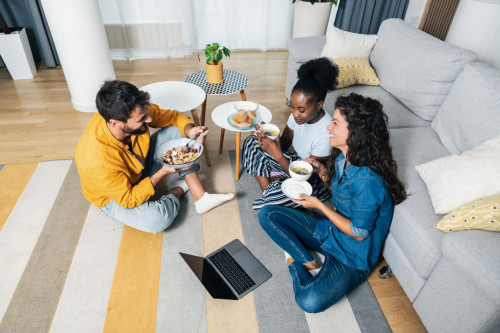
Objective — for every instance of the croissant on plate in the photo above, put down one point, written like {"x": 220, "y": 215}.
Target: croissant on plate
{"x": 243, "y": 119}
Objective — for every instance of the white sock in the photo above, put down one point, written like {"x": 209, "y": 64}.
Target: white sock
{"x": 173, "y": 181}
{"x": 209, "y": 201}
{"x": 313, "y": 272}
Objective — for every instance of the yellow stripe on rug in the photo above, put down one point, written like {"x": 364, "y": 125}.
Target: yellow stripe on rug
{"x": 134, "y": 295}
{"x": 220, "y": 226}
{"x": 13, "y": 178}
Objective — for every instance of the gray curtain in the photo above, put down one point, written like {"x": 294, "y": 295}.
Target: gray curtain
{"x": 365, "y": 16}
{"x": 29, "y": 14}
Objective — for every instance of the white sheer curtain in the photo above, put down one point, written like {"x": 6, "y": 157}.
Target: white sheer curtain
{"x": 176, "y": 28}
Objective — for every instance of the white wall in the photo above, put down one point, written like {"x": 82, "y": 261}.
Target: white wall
{"x": 476, "y": 26}
{"x": 414, "y": 12}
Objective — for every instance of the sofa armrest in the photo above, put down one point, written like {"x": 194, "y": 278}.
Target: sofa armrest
{"x": 305, "y": 48}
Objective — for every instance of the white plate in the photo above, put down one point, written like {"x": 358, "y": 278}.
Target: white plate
{"x": 293, "y": 188}
{"x": 246, "y": 105}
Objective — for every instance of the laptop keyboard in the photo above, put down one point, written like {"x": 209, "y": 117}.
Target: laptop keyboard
{"x": 232, "y": 271}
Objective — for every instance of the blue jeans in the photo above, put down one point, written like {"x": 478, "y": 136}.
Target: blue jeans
{"x": 293, "y": 231}
{"x": 151, "y": 216}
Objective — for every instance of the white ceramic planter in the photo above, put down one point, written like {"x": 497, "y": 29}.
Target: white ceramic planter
{"x": 310, "y": 20}
{"x": 16, "y": 54}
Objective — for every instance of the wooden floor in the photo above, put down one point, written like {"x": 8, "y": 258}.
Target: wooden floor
{"x": 38, "y": 123}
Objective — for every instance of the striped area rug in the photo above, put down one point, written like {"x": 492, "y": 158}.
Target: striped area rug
{"x": 65, "y": 267}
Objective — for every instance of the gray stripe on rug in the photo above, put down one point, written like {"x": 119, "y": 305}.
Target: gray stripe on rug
{"x": 35, "y": 300}
{"x": 275, "y": 304}
{"x": 366, "y": 309}
{"x": 181, "y": 298}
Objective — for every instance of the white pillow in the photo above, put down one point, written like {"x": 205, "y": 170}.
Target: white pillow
{"x": 342, "y": 44}
{"x": 455, "y": 180}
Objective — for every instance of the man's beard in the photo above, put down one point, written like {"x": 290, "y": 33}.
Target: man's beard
{"x": 139, "y": 131}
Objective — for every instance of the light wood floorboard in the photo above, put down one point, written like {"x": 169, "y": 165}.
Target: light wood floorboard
{"x": 38, "y": 123}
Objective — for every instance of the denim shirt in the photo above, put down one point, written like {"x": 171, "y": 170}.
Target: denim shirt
{"x": 360, "y": 195}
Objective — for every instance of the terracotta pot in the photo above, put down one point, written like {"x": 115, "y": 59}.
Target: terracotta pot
{"x": 214, "y": 73}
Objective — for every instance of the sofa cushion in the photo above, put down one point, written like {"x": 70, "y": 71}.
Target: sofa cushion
{"x": 342, "y": 44}
{"x": 415, "y": 67}
{"x": 470, "y": 114}
{"x": 355, "y": 71}
{"x": 475, "y": 251}
{"x": 303, "y": 49}
{"x": 454, "y": 180}
{"x": 399, "y": 115}
{"x": 414, "y": 227}
{"x": 482, "y": 214}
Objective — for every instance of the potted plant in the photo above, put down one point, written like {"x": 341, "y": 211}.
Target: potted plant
{"x": 311, "y": 17}
{"x": 16, "y": 52}
{"x": 213, "y": 58}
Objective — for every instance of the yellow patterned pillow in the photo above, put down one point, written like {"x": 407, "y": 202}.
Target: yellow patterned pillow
{"x": 355, "y": 71}
{"x": 482, "y": 214}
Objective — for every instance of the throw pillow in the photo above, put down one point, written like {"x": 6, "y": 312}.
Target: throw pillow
{"x": 341, "y": 44}
{"x": 355, "y": 71}
{"x": 482, "y": 214}
{"x": 455, "y": 180}
{"x": 470, "y": 114}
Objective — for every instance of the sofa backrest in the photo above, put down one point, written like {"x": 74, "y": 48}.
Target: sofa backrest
{"x": 415, "y": 67}
{"x": 470, "y": 114}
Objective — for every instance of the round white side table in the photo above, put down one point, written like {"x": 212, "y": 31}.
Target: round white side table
{"x": 220, "y": 115}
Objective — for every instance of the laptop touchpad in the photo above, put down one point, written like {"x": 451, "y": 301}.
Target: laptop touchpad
{"x": 247, "y": 260}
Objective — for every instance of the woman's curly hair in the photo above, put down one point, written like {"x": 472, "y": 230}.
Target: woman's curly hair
{"x": 368, "y": 142}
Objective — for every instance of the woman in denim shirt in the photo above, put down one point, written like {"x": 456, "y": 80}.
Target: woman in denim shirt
{"x": 362, "y": 175}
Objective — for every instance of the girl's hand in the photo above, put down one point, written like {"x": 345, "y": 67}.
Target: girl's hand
{"x": 317, "y": 165}
{"x": 272, "y": 147}
{"x": 308, "y": 202}
{"x": 257, "y": 127}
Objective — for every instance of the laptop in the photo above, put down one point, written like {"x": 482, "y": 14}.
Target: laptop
{"x": 230, "y": 272}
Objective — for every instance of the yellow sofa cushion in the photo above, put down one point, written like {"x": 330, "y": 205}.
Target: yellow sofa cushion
{"x": 481, "y": 214}
{"x": 355, "y": 71}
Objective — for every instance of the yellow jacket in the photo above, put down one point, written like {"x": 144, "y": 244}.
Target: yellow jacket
{"x": 109, "y": 171}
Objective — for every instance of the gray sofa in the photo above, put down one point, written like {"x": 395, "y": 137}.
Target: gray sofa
{"x": 439, "y": 101}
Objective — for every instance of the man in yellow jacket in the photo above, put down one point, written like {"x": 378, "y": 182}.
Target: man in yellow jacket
{"x": 116, "y": 160}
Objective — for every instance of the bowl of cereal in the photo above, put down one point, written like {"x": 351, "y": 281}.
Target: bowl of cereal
{"x": 300, "y": 170}
{"x": 179, "y": 153}
{"x": 270, "y": 130}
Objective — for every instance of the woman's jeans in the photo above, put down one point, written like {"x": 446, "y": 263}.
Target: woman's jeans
{"x": 151, "y": 216}
{"x": 293, "y": 231}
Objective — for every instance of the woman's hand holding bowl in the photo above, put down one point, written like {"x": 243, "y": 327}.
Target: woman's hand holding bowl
{"x": 308, "y": 201}
{"x": 317, "y": 165}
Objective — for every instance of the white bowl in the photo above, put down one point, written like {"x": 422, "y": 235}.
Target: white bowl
{"x": 166, "y": 146}
{"x": 245, "y": 105}
{"x": 270, "y": 127}
{"x": 300, "y": 165}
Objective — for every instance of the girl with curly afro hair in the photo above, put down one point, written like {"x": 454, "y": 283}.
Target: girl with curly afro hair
{"x": 305, "y": 136}
{"x": 362, "y": 176}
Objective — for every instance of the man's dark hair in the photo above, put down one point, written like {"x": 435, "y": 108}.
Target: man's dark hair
{"x": 117, "y": 99}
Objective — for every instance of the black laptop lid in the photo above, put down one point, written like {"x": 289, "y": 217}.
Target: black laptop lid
{"x": 207, "y": 275}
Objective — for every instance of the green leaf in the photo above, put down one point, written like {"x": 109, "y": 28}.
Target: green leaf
{"x": 209, "y": 57}
{"x": 218, "y": 57}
